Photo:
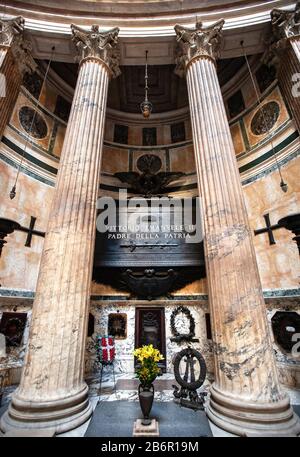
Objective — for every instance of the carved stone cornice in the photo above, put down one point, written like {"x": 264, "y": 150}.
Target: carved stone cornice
{"x": 196, "y": 43}
{"x": 12, "y": 36}
{"x": 98, "y": 44}
{"x": 285, "y": 24}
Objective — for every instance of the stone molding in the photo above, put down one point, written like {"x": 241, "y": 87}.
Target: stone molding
{"x": 98, "y": 44}
{"x": 200, "y": 42}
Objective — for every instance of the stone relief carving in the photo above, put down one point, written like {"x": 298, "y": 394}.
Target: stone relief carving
{"x": 32, "y": 122}
{"x": 200, "y": 41}
{"x": 265, "y": 118}
{"x": 100, "y": 44}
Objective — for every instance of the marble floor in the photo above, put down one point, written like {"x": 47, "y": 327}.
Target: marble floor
{"x": 124, "y": 389}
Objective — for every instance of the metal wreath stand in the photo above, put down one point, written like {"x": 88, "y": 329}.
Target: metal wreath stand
{"x": 187, "y": 395}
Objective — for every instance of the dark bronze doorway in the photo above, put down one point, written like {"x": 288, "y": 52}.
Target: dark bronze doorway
{"x": 150, "y": 329}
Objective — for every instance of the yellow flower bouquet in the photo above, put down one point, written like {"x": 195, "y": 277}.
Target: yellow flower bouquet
{"x": 148, "y": 357}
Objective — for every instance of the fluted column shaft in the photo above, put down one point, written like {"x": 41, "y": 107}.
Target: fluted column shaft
{"x": 290, "y": 66}
{"x": 246, "y": 395}
{"x": 15, "y": 59}
{"x": 236, "y": 299}
{"x": 12, "y": 77}
{"x": 52, "y": 392}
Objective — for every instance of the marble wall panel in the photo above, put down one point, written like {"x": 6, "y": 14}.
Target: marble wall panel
{"x": 109, "y": 129}
{"x": 59, "y": 140}
{"x": 114, "y": 159}
{"x": 276, "y": 97}
{"x": 248, "y": 92}
{"x": 19, "y": 264}
{"x": 237, "y": 137}
{"x": 278, "y": 264}
{"x": 183, "y": 159}
{"x": 135, "y": 135}
{"x": 48, "y": 97}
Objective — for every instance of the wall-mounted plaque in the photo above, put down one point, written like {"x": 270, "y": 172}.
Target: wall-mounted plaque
{"x": 117, "y": 325}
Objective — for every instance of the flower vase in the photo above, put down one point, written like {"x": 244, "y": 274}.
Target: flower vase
{"x": 146, "y": 396}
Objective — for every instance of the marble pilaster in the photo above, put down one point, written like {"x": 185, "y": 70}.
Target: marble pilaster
{"x": 246, "y": 396}
{"x": 52, "y": 392}
{"x": 15, "y": 60}
{"x": 285, "y": 46}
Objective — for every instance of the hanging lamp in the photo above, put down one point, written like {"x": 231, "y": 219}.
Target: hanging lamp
{"x": 146, "y": 106}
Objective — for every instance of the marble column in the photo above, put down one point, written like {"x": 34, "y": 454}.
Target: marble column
{"x": 246, "y": 397}
{"x": 15, "y": 60}
{"x": 52, "y": 393}
{"x": 285, "y": 47}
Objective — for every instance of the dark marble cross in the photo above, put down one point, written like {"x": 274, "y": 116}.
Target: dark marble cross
{"x": 30, "y": 231}
{"x": 8, "y": 226}
{"x": 268, "y": 229}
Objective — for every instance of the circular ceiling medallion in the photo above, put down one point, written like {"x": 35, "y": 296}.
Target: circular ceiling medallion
{"x": 32, "y": 122}
{"x": 149, "y": 163}
{"x": 265, "y": 118}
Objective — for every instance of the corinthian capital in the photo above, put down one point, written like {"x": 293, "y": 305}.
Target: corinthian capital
{"x": 95, "y": 43}
{"x": 198, "y": 42}
{"x": 12, "y": 36}
{"x": 285, "y": 24}
{"x": 9, "y": 29}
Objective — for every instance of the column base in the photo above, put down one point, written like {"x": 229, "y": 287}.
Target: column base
{"x": 58, "y": 416}
{"x": 244, "y": 418}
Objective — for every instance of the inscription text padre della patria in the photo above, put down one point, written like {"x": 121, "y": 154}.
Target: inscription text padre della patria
{"x": 155, "y": 218}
